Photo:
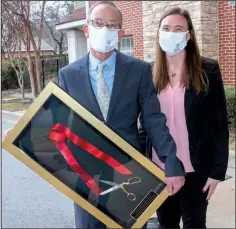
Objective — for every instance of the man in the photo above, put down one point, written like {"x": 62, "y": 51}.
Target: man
{"x": 116, "y": 88}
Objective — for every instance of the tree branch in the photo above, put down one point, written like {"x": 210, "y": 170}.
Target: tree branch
{"x": 41, "y": 26}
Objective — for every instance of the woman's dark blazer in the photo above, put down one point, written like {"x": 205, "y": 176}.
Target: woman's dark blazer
{"x": 207, "y": 124}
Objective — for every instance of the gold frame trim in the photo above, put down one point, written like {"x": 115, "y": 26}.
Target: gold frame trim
{"x": 53, "y": 89}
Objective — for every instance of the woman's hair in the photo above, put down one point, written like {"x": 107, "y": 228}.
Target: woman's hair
{"x": 193, "y": 73}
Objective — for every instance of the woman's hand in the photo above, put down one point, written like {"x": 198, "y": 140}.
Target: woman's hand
{"x": 210, "y": 185}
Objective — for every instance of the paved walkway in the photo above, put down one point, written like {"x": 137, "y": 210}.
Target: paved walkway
{"x": 16, "y": 94}
{"x": 221, "y": 211}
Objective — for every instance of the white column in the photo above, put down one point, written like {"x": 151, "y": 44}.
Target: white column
{"x": 82, "y": 44}
{"x": 77, "y": 45}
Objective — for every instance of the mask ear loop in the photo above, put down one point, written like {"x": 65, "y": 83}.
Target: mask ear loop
{"x": 190, "y": 32}
{"x": 191, "y": 35}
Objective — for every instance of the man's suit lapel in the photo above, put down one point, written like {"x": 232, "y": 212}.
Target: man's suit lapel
{"x": 121, "y": 71}
{"x": 85, "y": 86}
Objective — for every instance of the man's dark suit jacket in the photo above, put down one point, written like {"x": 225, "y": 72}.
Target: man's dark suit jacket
{"x": 133, "y": 93}
{"x": 207, "y": 124}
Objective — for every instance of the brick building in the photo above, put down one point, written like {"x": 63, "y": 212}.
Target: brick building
{"x": 227, "y": 41}
{"x": 214, "y": 22}
{"x": 45, "y": 49}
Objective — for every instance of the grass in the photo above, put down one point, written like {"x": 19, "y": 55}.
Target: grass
{"x": 9, "y": 96}
{"x": 14, "y": 106}
{"x": 232, "y": 139}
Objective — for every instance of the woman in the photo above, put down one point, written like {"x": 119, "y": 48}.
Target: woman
{"x": 191, "y": 95}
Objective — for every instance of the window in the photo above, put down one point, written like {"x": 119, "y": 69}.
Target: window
{"x": 232, "y": 3}
{"x": 126, "y": 46}
{"x": 79, "y": 4}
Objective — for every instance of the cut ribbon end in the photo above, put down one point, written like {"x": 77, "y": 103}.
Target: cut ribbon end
{"x": 123, "y": 170}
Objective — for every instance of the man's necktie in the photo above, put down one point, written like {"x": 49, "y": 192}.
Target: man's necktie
{"x": 103, "y": 97}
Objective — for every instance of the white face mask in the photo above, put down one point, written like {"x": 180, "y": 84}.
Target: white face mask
{"x": 172, "y": 42}
{"x": 103, "y": 40}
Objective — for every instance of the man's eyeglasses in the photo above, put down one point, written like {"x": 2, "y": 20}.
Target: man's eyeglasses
{"x": 112, "y": 25}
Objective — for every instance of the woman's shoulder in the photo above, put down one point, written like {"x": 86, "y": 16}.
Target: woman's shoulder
{"x": 209, "y": 64}
{"x": 212, "y": 71}
{"x": 151, "y": 64}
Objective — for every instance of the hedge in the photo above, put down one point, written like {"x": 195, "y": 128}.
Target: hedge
{"x": 9, "y": 78}
{"x": 231, "y": 104}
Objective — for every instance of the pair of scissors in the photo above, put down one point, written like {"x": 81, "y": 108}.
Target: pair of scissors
{"x": 130, "y": 196}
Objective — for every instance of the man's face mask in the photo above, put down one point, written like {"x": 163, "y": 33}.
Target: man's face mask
{"x": 103, "y": 39}
{"x": 172, "y": 42}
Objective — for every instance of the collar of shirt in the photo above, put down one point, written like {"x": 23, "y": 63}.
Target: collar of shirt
{"x": 94, "y": 62}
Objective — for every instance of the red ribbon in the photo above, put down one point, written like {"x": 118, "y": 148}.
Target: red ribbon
{"x": 59, "y": 133}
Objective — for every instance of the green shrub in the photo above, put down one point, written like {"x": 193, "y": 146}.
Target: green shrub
{"x": 9, "y": 78}
{"x": 231, "y": 105}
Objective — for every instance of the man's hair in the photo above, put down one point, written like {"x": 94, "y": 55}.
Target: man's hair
{"x": 109, "y": 3}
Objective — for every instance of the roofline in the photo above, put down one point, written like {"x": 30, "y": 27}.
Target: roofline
{"x": 24, "y": 50}
{"x": 70, "y": 20}
{"x": 44, "y": 49}
{"x": 71, "y": 25}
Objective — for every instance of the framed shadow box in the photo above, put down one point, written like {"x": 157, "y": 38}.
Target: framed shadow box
{"x": 83, "y": 158}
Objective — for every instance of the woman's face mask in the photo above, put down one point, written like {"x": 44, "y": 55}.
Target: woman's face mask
{"x": 173, "y": 42}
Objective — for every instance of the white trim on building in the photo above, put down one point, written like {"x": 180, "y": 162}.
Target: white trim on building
{"x": 78, "y": 44}
{"x": 71, "y": 25}
{"x": 126, "y": 45}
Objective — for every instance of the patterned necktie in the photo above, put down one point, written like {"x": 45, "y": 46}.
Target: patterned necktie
{"x": 103, "y": 97}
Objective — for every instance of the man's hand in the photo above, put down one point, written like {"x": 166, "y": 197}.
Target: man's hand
{"x": 174, "y": 184}
{"x": 210, "y": 186}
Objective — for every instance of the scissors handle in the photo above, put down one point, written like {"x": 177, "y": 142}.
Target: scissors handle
{"x": 134, "y": 180}
{"x": 131, "y": 196}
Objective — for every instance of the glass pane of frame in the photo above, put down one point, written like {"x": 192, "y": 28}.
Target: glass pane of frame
{"x": 73, "y": 148}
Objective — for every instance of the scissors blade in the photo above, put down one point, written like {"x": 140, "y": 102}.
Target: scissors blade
{"x": 110, "y": 190}
{"x": 109, "y": 182}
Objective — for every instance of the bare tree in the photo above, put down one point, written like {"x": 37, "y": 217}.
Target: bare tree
{"x": 51, "y": 18}
{"x": 11, "y": 45}
{"x": 20, "y": 13}
{"x": 55, "y": 13}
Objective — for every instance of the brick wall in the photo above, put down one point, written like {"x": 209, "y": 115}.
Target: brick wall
{"x": 47, "y": 53}
{"x": 79, "y": 14}
{"x": 227, "y": 41}
{"x": 133, "y": 25}
{"x": 209, "y": 28}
